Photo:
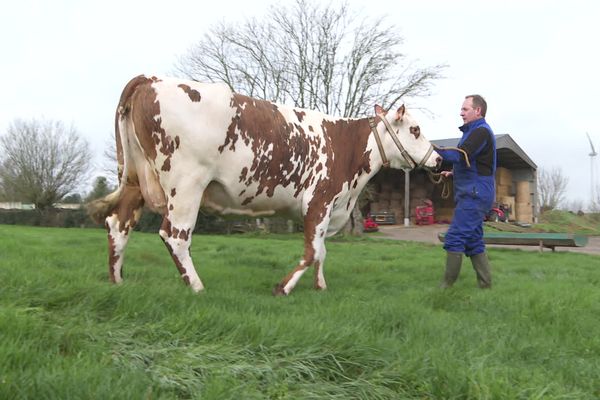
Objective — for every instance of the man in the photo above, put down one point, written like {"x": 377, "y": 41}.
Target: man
{"x": 474, "y": 192}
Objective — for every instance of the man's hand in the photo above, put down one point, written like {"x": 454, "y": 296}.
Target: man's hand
{"x": 446, "y": 174}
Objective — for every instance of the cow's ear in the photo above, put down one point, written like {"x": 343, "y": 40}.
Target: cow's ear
{"x": 379, "y": 110}
{"x": 400, "y": 112}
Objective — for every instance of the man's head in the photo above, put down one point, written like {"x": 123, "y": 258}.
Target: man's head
{"x": 473, "y": 108}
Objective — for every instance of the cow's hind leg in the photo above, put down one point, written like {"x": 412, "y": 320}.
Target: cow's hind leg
{"x": 314, "y": 254}
{"x": 118, "y": 224}
{"x": 176, "y": 232}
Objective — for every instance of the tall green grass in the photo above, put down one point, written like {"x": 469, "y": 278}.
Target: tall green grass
{"x": 381, "y": 331}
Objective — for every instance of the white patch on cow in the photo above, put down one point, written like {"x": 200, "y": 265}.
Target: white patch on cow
{"x": 289, "y": 286}
{"x": 119, "y": 241}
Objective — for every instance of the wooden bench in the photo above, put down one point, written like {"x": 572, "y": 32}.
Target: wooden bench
{"x": 548, "y": 240}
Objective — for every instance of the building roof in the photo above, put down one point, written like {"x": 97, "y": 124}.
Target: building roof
{"x": 509, "y": 154}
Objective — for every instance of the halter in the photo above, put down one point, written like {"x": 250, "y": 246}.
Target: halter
{"x": 411, "y": 162}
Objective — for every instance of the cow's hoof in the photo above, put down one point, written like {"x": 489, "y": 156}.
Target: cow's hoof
{"x": 278, "y": 290}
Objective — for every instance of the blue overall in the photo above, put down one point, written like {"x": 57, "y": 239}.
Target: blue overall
{"x": 474, "y": 194}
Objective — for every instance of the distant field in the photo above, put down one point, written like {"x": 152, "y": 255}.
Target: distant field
{"x": 381, "y": 331}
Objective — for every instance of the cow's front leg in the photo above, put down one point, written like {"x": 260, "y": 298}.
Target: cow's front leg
{"x": 314, "y": 254}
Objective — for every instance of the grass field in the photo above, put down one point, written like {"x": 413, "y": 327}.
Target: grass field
{"x": 381, "y": 331}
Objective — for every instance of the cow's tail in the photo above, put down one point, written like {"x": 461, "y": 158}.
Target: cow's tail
{"x": 99, "y": 209}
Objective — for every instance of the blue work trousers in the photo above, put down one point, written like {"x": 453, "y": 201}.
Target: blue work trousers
{"x": 465, "y": 234}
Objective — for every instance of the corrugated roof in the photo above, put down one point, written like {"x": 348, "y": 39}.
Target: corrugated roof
{"x": 509, "y": 154}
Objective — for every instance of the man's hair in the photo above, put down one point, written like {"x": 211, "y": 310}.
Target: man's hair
{"x": 478, "y": 101}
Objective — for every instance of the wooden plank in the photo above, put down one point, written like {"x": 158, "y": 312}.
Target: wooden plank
{"x": 550, "y": 240}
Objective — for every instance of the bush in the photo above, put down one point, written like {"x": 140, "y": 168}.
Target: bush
{"x": 149, "y": 222}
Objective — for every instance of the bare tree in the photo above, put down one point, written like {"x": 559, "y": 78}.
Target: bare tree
{"x": 312, "y": 56}
{"x": 552, "y": 186}
{"x": 42, "y": 161}
{"x": 109, "y": 161}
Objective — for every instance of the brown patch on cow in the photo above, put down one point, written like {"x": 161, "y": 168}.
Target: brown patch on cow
{"x": 244, "y": 174}
{"x": 171, "y": 207}
{"x": 310, "y": 128}
{"x": 193, "y": 94}
{"x": 166, "y": 226}
{"x": 283, "y": 154}
{"x": 123, "y": 109}
{"x": 177, "y": 142}
{"x": 171, "y": 231}
{"x": 174, "y": 232}
{"x": 415, "y": 130}
{"x": 173, "y": 192}
{"x": 346, "y": 157}
{"x": 140, "y": 100}
{"x": 131, "y": 199}
{"x": 184, "y": 234}
{"x": 300, "y": 115}
{"x": 166, "y": 165}
{"x": 247, "y": 200}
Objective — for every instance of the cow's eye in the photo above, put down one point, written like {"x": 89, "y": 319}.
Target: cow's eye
{"x": 415, "y": 130}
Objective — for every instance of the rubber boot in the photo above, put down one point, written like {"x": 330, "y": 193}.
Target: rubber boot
{"x": 453, "y": 263}
{"x": 481, "y": 265}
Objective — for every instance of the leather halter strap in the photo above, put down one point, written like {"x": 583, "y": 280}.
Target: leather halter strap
{"x": 411, "y": 162}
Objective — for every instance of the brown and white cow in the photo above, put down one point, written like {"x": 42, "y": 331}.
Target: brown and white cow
{"x": 183, "y": 145}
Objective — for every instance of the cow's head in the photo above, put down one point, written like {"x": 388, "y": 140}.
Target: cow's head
{"x": 411, "y": 149}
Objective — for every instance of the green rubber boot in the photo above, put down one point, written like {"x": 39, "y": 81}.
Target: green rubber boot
{"x": 453, "y": 263}
{"x": 482, "y": 268}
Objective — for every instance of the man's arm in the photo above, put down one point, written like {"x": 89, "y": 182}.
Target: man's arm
{"x": 472, "y": 146}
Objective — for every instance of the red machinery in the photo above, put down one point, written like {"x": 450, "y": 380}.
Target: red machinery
{"x": 498, "y": 213}
{"x": 424, "y": 213}
{"x": 369, "y": 225}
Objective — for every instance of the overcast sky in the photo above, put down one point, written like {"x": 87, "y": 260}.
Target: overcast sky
{"x": 536, "y": 63}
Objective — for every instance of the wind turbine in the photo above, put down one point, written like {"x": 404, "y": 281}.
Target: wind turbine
{"x": 592, "y": 155}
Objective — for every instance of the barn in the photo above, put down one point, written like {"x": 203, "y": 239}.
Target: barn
{"x": 394, "y": 194}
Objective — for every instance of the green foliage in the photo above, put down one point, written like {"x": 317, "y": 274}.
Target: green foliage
{"x": 63, "y": 218}
{"x": 381, "y": 331}
{"x": 101, "y": 188}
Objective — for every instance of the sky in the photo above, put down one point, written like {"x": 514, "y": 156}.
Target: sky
{"x": 534, "y": 61}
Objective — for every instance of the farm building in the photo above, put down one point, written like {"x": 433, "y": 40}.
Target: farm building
{"x": 516, "y": 187}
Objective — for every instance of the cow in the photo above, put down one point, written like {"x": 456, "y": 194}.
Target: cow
{"x": 184, "y": 145}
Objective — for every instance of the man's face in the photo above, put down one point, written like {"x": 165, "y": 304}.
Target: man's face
{"x": 468, "y": 113}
